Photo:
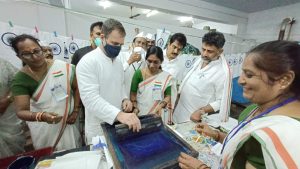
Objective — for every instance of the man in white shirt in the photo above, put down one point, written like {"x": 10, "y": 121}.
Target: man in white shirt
{"x": 100, "y": 80}
{"x": 150, "y": 40}
{"x": 172, "y": 63}
{"x": 207, "y": 87}
{"x": 134, "y": 59}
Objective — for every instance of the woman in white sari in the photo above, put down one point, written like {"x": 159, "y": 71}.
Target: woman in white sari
{"x": 268, "y": 131}
{"x": 152, "y": 89}
{"x": 46, "y": 96}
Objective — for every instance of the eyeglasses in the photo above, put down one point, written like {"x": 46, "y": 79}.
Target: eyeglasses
{"x": 155, "y": 62}
{"x": 28, "y": 55}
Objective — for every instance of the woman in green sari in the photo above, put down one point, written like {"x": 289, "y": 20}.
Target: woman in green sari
{"x": 152, "y": 89}
{"x": 266, "y": 134}
{"x": 46, "y": 96}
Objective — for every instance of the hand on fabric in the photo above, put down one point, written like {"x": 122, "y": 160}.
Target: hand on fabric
{"x": 72, "y": 117}
{"x": 51, "y": 118}
{"x": 135, "y": 57}
{"x": 189, "y": 162}
{"x": 127, "y": 106}
{"x": 131, "y": 120}
{"x": 205, "y": 130}
{"x": 4, "y": 103}
{"x": 197, "y": 115}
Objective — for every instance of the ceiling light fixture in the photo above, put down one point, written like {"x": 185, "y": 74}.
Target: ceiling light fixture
{"x": 185, "y": 18}
{"x": 151, "y": 13}
{"x": 145, "y": 11}
{"x": 105, "y": 4}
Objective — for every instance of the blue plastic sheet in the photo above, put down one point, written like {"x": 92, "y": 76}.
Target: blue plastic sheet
{"x": 150, "y": 150}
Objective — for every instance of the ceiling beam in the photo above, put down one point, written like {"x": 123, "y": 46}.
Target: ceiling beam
{"x": 196, "y": 8}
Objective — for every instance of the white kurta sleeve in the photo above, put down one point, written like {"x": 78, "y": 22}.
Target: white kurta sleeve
{"x": 125, "y": 66}
{"x": 90, "y": 93}
{"x": 123, "y": 59}
{"x": 219, "y": 87}
{"x": 181, "y": 71}
{"x": 124, "y": 95}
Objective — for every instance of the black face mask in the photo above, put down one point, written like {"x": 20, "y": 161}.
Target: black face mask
{"x": 112, "y": 51}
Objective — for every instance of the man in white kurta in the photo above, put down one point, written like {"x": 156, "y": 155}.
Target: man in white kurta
{"x": 133, "y": 59}
{"x": 150, "y": 40}
{"x": 178, "y": 67}
{"x": 207, "y": 87}
{"x": 172, "y": 62}
{"x": 101, "y": 83}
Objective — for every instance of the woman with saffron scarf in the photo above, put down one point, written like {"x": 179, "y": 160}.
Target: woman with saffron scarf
{"x": 267, "y": 133}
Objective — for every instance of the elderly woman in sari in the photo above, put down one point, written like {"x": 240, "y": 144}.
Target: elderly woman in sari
{"x": 152, "y": 89}
{"x": 46, "y": 96}
{"x": 266, "y": 136}
{"x": 12, "y": 139}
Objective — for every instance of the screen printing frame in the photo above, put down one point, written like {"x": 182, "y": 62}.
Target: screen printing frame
{"x": 167, "y": 165}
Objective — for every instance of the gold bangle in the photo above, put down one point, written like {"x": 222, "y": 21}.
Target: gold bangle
{"x": 40, "y": 117}
{"x": 37, "y": 116}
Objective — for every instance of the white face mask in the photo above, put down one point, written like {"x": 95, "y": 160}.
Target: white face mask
{"x": 141, "y": 51}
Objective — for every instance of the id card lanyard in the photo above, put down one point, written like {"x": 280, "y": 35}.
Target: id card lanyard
{"x": 135, "y": 69}
{"x": 244, "y": 122}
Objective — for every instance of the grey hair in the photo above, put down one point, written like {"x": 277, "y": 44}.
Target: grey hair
{"x": 111, "y": 24}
